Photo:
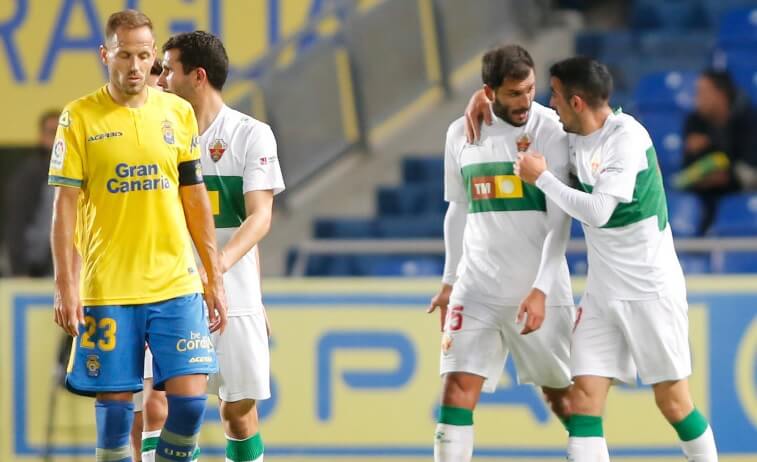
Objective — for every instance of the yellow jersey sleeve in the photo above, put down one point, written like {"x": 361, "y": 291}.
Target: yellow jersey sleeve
{"x": 189, "y": 149}
{"x": 67, "y": 158}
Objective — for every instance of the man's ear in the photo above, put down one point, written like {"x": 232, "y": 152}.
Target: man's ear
{"x": 201, "y": 75}
{"x": 104, "y": 54}
{"x": 489, "y": 92}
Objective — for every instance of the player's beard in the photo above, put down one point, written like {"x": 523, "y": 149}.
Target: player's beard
{"x": 506, "y": 113}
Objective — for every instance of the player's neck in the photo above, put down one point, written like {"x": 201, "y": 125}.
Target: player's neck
{"x": 206, "y": 108}
{"x": 132, "y": 101}
{"x": 595, "y": 120}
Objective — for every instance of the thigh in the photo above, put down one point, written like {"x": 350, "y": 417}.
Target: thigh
{"x": 543, "y": 357}
{"x": 658, "y": 336}
{"x": 599, "y": 347}
{"x": 472, "y": 342}
{"x": 243, "y": 360}
{"x": 178, "y": 336}
{"x": 108, "y": 354}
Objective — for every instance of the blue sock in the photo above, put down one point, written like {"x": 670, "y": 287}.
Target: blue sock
{"x": 179, "y": 436}
{"x": 113, "y": 427}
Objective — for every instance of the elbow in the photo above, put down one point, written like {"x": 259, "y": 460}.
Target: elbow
{"x": 600, "y": 219}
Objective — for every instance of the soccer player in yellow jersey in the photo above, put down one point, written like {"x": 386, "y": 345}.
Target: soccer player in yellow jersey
{"x": 131, "y": 153}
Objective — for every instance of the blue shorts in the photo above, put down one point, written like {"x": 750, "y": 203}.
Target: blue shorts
{"x": 109, "y": 353}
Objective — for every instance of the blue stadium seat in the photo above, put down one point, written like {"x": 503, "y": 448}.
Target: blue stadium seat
{"x": 330, "y": 265}
{"x": 665, "y": 42}
{"x": 411, "y": 227}
{"x": 717, "y": 8}
{"x": 411, "y": 199}
{"x": 738, "y": 26}
{"x": 734, "y": 262}
{"x": 601, "y": 44}
{"x": 736, "y": 216}
{"x": 671, "y": 91}
{"x": 695, "y": 263}
{"x": 399, "y": 265}
{"x": 744, "y": 74}
{"x": 577, "y": 263}
{"x": 423, "y": 169}
{"x": 684, "y": 213}
{"x": 576, "y": 230}
{"x": 666, "y": 128}
{"x": 669, "y": 14}
{"x": 345, "y": 228}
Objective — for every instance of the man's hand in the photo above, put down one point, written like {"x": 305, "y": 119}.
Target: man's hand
{"x": 478, "y": 109}
{"x": 69, "y": 313}
{"x": 532, "y": 309}
{"x": 215, "y": 298}
{"x": 441, "y": 301}
{"x": 530, "y": 166}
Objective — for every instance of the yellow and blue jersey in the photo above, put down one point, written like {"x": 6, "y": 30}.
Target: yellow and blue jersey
{"x": 131, "y": 229}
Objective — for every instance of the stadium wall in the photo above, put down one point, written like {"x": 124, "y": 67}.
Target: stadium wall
{"x": 355, "y": 377}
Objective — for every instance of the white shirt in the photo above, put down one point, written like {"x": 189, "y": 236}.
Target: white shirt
{"x": 508, "y": 220}
{"x": 238, "y": 155}
{"x": 631, "y": 257}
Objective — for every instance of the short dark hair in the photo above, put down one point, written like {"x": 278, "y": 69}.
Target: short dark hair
{"x": 585, "y": 77}
{"x": 156, "y": 68}
{"x": 505, "y": 62}
{"x": 131, "y": 19}
{"x": 47, "y": 115}
{"x": 201, "y": 49}
{"x": 722, "y": 80}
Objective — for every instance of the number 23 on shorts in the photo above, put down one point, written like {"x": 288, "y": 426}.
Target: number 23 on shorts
{"x": 107, "y": 340}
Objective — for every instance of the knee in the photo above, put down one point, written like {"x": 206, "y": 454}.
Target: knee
{"x": 155, "y": 410}
{"x": 673, "y": 409}
{"x": 461, "y": 390}
{"x": 240, "y": 418}
{"x": 580, "y": 400}
{"x": 558, "y": 402}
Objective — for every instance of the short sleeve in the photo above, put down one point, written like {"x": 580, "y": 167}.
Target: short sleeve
{"x": 189, "y": 148}
{"x": 262, "y": 170}
{"x": 67, "y": 157}
{"x": 454, "y": 190}
{"x": 619, "y": 167}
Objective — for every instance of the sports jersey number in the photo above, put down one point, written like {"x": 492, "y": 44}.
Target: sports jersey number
{"x": 108, "y": 329}
{"x": 455, "y": 318}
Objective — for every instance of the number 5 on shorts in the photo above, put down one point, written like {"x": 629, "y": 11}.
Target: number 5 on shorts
{"x": 454, "y": 318}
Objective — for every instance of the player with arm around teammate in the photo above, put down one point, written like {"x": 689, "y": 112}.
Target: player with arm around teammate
{"x": 505, "y": 257}
{"x": 633, "y": 317}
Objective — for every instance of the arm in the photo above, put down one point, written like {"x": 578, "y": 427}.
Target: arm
{"x": 478, "y": 110}
{"x": 68, "y": 310}
{"x": 454, "y": 227}
{"x": 553, "y": 251}
{"x": 593, "y": 209}
{"x": 259, "y": 209}
{"x": 199, "y": 218}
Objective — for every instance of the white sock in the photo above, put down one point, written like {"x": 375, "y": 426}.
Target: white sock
{"x": 587, "y": 449}
{"x": 453, "y": 443}
{"x": 149, "y": 444}
{"x": 701, "y": 449}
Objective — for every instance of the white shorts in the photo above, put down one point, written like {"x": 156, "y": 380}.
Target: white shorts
{"x": 137, "y": 399}
{"x": 617, "y": 339}
{"x": 243, "y": 360}
{"x": 479, "y": 337}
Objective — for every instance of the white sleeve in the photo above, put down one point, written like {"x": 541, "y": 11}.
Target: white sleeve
{"x": 553, "y": 250}
{"x": 619, "y": 167}
{"x": 261, "y": 167}
{"x": 594, "y": 209}
{"x": 454, "y": 229}
{"x": 454, "y": 190}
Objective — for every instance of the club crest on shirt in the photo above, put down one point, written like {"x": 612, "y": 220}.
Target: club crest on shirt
{"x": 217, "y": 149}
{"x": 523, "y": 142}
{"x": 596, "y": 160}
{"x": 167, "y": 129}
